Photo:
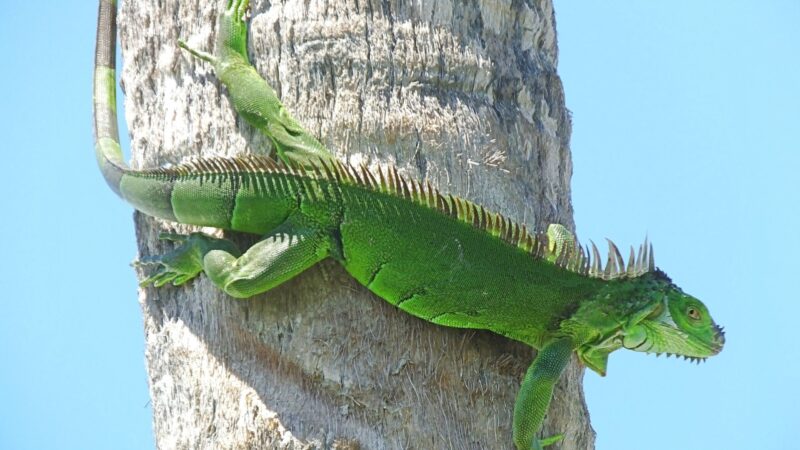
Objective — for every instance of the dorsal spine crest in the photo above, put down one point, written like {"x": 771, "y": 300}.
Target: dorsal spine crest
{"x": 566, "y": 254}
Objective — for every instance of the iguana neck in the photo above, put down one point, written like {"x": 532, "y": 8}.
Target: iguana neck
{"x": 608, "y": 320}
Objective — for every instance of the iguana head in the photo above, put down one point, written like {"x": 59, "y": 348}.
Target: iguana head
{"x": 646, "y": 313}
{"x": 672, "y": 322}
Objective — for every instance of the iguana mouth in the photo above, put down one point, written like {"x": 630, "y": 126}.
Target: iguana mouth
{"x": 664, "y": 337}
{"x": 719, "y": 339}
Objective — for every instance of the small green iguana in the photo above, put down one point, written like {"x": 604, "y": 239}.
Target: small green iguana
{"x": 441, "y": 258}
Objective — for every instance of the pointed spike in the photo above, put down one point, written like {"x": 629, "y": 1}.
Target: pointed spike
{"x": 584, "y": 260}
{"x": 317, "y": 171}
{"x": 390, "y": 180}
{"x": 584, "y": 266}
{"x": 569, "y": 258}
{"x": 611, "y": 263}
{"x": 541, "y": 248}
{"x": 289, "y": 169}
{"x": 563, "y": 257}
{"x": 619, "y": 263}
{"x": 474, "y": 215}
{"x": 404, "y": 191}
{"x": 455, "y": 206}
{"x": 382, "y": 178}
{"x": 597, "y": 267}
{"x": 346, "y": 174}
{"x": 576, "y": 265}
{"x": 651, "y": 261}
{"x": 442, "y": 205}
{"x": 572, "y": 258}
{"x": 407, "y": 189}
{"x": 396, "y": 181}
{"x": 498, "y": 225}
{"x": 328, "y": 175}
{"x": 588, "y": 267}
{"x": 391, "y": 172}
{"x": 368, "y": 176}
{"x": 355, "y": 175}
{"x": 365, "y": 175}
{"x": 431, "y": 194}
{"x": 644, "y": 255}
{"x": 338, "y": 171}
{"x": 558, "y": 253}
{"x": 631, "y": 270}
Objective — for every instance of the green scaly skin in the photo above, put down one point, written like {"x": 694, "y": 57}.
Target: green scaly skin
{"x": 438, "y": 257}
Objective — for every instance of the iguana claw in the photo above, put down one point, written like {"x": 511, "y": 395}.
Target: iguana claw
{"x": 549, "y": 440}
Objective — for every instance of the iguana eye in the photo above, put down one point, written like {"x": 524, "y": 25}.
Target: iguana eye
{"x": 693, "y": 313}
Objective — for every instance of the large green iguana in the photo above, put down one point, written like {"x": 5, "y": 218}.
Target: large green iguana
{"x": 441, "y": 258}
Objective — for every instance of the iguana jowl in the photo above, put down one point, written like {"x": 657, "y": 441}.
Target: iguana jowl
{"x": 443, "y": 259}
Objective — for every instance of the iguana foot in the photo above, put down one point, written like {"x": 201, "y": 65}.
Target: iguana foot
{"x": 185, "y": 261}
{"x": 208, "y": 57}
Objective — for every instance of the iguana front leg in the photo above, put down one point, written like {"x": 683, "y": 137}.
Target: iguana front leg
{"x": 252, "y": 97}
{"x": 533, "y": 399}
{"x": 281, "y": 255}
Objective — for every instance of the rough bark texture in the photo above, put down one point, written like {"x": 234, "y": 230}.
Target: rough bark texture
{"x": 464, "y": 94}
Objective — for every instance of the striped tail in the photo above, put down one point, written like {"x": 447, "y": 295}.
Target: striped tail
{"x": 106, "y": 134}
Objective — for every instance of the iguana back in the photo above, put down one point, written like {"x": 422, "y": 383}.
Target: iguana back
{"x": 438, "y": 257}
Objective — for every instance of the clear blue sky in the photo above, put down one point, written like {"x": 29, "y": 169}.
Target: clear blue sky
{"x": 685, "y": 122}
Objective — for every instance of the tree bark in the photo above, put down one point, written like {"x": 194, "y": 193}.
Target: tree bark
{"x": 464, "y": 94}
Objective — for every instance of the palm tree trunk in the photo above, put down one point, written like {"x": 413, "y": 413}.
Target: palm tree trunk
{"x": 464, "y": 94}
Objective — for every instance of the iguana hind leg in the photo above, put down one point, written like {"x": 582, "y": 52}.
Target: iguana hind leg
{"x": 275, "y": 259}
{"x": 281, "y": 255}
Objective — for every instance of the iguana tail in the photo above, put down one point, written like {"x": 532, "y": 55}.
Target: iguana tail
{"x": 106, "y": 134}
{"x": 151, "y": 195}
